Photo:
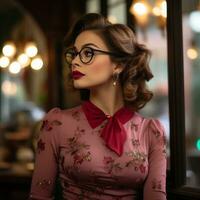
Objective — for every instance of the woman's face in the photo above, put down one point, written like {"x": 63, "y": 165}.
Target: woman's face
{"x": 97, "y": 72}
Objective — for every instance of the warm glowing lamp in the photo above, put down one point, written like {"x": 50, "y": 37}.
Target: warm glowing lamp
{"x": 37, "y": 63}
{"x": 9, "y": 49}
{"x": 192, "y": 53}
{"x": 31, "y": 49}
{"x": 14, "y": 67}
{"x": 140, "y": 9}
{"x": 23, "y": 59}
{"x": 4, "y": 61}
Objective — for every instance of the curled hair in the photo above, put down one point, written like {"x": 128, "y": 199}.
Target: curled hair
{"x": 121, "y": 39}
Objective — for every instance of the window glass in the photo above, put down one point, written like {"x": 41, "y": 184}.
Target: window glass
{"x": 117, "y": 11}
{"x": 191, "y": 49}
{"x": 93, "y": 6}
{"x": 151, "y": 31}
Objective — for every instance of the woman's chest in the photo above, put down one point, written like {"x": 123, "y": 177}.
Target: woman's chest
{"x": 84, "y": 155}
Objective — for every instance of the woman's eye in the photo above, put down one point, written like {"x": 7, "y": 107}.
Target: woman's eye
{"x": 87, "y": 53}
{"x": 70, "y": 54}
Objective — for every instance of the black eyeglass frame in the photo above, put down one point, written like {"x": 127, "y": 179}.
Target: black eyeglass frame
{"x": 93, "y": 53}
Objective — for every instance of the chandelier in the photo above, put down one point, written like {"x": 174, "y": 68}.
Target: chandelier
{"x": 16, "y": 58}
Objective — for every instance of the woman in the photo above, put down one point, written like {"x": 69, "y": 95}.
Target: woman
{"x": 103, "y": 149}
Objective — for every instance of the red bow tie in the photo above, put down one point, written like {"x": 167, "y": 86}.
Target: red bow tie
{"x": 113, "y": 133}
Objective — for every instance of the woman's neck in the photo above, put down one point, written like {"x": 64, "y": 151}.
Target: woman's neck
{"x": 108, "y": 98}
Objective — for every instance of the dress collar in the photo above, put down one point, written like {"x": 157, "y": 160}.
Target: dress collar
{"x": 113, "y": 133}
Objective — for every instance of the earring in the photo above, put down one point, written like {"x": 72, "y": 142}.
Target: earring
{"x": 115, "y": 78}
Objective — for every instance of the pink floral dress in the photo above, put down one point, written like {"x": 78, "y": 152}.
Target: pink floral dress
{"x": 72, "y": 151}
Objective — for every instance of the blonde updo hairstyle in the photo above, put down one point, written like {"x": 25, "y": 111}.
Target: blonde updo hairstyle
{"x": 121, "y": 39}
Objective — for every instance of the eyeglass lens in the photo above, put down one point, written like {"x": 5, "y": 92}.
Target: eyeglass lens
{"x": 85, "y": 55}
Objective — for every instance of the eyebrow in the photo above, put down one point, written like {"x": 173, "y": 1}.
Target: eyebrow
{"x": 88, "y": 44}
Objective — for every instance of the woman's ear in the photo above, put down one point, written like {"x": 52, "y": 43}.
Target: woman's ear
{"x": 118, "y": 68}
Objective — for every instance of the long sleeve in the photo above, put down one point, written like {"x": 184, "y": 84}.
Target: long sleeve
{"x": 155, "y": 184}
{"x": 46, "y": 161}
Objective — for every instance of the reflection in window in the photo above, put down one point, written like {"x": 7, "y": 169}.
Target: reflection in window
{"x": 93, "y": 6}
{"x": 151, "y": 30}
{"x": 191, "y": 44}
{"x": 117, "y": 11}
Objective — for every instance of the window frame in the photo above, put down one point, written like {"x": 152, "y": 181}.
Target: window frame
{"x": 176, "y": 181}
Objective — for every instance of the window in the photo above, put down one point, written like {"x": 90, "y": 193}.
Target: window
{"x": 93, "y": 6}
{"x": 117, "y": 11}
{"x": 181, "y": 181}
{"x": 147, "y": 33}
{"x": 191, "y": 50}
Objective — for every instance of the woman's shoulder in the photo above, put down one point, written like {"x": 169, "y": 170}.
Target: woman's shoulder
{"x": 72, "y": 110}
{"x": 155, "y": 125}
{"x": 152, "y": 129}
{"x": 57, "y": 113}
{"x": 150, "y": 123}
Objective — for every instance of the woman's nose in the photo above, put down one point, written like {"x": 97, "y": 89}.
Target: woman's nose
{"x": 76, "y": 62}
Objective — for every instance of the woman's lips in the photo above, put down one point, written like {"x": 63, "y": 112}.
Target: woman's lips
{"x": 77, "y": 74}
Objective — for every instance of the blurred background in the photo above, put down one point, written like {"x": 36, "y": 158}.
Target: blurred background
{"x": 34, "y": 75}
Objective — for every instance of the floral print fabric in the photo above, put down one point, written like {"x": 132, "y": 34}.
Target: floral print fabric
{"x": 70, "y": 150}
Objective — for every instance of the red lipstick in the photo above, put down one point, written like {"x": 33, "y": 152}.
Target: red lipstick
{"x": 76, "y": 74}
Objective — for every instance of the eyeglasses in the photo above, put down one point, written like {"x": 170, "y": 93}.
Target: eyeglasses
{"x": 86, "y": 54}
